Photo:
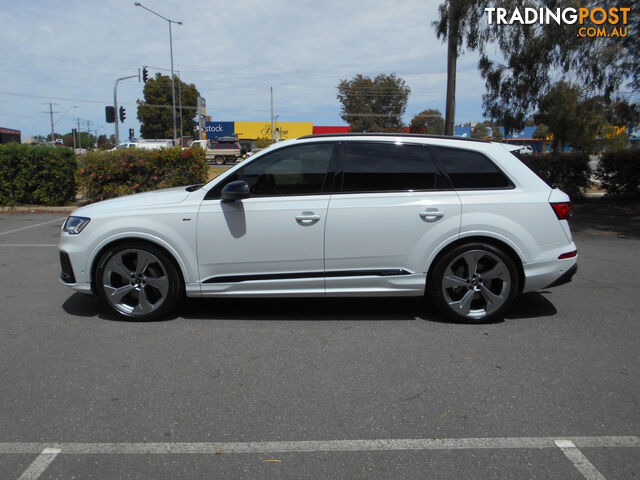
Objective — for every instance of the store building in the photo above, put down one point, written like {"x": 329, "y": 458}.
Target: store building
{"x": 8, "y": 135}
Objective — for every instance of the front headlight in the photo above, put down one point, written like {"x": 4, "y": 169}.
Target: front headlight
{"x": 74, "y": 225}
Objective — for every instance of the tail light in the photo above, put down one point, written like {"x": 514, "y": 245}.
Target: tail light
{"x": 561, "y": 209}
{"x": 571, "y": 254}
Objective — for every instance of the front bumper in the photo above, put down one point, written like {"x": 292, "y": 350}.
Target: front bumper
{"x": 68, "y": 275}
{"x": 78, "y": 287}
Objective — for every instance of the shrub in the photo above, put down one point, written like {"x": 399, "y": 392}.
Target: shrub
{"x": 36, "y": 174}
{"x": 104, "y": 175}
{"x": 570, "y": 172}
{"x": 619, "y": 173}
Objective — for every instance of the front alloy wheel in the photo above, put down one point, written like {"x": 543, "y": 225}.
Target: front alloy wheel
{"x": 137, "y": 281}
{"x": 475, "y": 283}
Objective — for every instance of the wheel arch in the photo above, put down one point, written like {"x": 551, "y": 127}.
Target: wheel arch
{"x": 172, "y": 255}
{"x": 508, "y": 249}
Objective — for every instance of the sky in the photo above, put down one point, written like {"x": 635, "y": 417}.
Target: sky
{"x": 70, "y": 52}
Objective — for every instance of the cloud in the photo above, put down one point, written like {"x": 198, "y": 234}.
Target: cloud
{"x": 72, "y": 52}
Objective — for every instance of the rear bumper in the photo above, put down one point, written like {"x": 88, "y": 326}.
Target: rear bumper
{"x": 540, "y": 275}
{"x": 566, "y": 277}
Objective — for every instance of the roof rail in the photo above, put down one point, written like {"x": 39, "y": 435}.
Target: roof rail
{"x": 409, "y": 135}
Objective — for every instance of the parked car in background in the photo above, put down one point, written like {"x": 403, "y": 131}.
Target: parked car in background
{"x": 146, "y": 144}
{"x": 462, "y": 221}
{"x": 526, "y": 150}
{"x": 221, "y": 150}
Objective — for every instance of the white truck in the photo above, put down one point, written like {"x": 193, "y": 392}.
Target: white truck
{"x": 221, "y": 150}
{"x": 146, "y": 144}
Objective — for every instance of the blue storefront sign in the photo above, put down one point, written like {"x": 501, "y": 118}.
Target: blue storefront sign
{"x": 219, "y": 129}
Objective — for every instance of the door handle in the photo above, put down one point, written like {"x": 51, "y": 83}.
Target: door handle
{"x": 307, "y": 218}
{"x": 431, "y": 215}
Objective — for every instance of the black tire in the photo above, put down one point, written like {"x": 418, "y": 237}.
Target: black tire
{"x": 219, "y": 160}
{"x": 156, "y": 289}
{"x": 480, "y": 298}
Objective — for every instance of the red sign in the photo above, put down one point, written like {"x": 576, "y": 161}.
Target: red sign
{"x": 319, "y": 130}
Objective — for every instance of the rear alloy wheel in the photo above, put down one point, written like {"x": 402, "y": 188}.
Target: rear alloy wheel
{"x": 474, "y": 283}
{"x": 137, "y": 281}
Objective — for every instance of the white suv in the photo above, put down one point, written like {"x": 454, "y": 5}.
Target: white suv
{"x": 463, "y": 221}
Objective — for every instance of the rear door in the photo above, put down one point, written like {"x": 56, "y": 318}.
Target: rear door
{"x": 391, "y": 210}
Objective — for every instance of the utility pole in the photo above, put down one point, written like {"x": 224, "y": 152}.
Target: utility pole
{"x": 51, "y": 112}
{"x": 180, "y": 102}
{"x": 89, "y": 133}
{"x": 79, "y": 136}
{"x": 272, "y": 122}
{"x": 173, "y": 86}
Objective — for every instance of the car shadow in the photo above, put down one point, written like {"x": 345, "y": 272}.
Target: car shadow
{"x": 529, "y": 305}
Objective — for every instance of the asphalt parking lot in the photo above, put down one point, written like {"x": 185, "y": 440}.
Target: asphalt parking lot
{"x": 348, "y": 388}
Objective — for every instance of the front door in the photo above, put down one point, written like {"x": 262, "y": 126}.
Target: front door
{"x": 273, "y": 242}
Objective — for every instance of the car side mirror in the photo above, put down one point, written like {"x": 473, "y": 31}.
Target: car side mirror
{"x": 235, "y": 191}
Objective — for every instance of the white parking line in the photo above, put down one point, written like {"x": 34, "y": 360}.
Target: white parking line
{"x": 40, "y": 464}
{"x": 584, "y": 466}
{"x": 322, "y": 445}
{"x": 28, "y": 245}
{"x": 31, "y": 226}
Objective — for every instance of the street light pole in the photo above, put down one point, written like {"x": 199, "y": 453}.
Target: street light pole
{"x": 173, "y": 87}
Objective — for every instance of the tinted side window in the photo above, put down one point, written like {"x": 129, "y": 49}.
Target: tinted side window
{"x": 298, "y": 170}
{"x": 468, "y": 169}
{"x": 375, "y": 167}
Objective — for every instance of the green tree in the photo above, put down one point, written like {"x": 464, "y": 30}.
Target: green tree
{"x": 532, "y": 55}
{"x": 621, "y": 113}
{"x": 428, "y": 121}
{"x": 155, "y": 112}
{"x": 541, "y": 132}
{"x": 480, "y": 131}
{"x": 558, "y": 110}
{"x": 496, "y": 133}
{"x": 373, "y": 105}
{"x": 576, "y": 119}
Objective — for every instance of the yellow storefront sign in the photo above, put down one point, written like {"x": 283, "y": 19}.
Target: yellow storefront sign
{"x": 254, "y": 130}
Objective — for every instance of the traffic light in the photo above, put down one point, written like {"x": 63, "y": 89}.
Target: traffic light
{"x": 123, "y": 114}
{"x": 110, "y": 114}
{"x": 145, "y": 74}
{"x": 131, "y": 134}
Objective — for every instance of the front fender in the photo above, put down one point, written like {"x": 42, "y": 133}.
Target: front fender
{"x": 175, "y": 233}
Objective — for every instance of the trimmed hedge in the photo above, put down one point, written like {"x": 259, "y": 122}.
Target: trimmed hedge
{"x": 570, "y": 172}
{"x": 619, "y": 173}
{"x": 36, "y": 174}
{"x": 104, "y": 175}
